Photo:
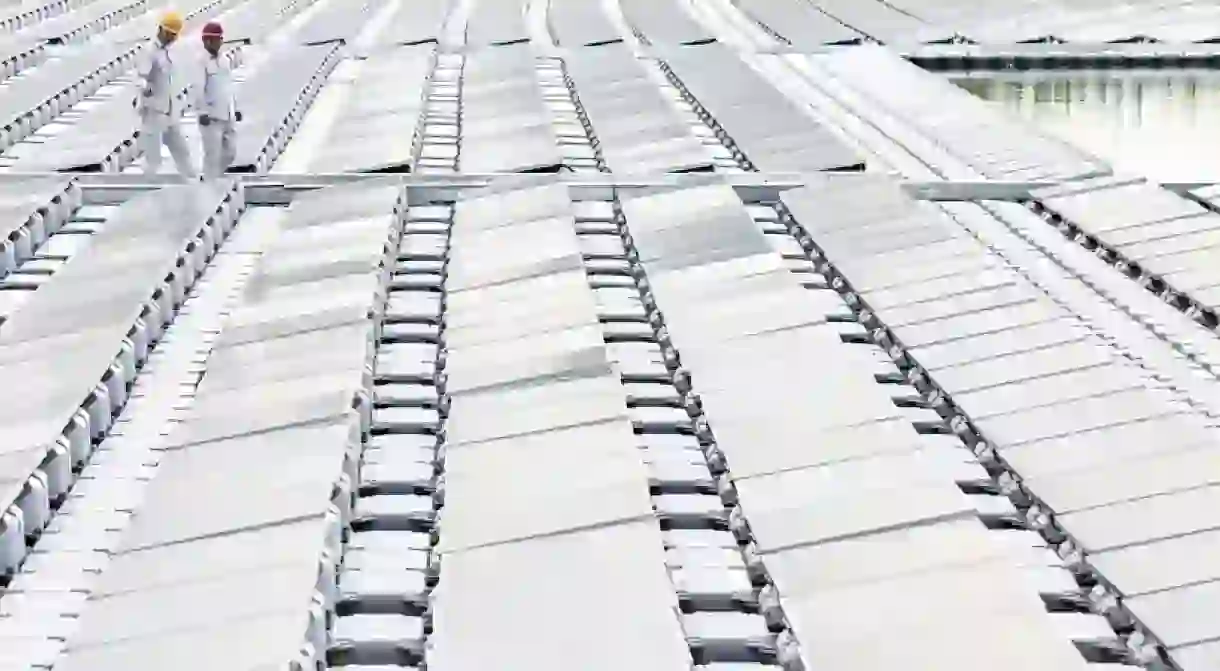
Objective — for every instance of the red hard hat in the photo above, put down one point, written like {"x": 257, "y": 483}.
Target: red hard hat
{"x": 213, "y": 29}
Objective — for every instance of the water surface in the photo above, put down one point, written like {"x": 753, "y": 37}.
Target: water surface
{"x": 1164, "y": 126}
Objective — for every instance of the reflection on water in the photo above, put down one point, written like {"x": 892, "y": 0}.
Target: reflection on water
{"x": 1165, "y": 127}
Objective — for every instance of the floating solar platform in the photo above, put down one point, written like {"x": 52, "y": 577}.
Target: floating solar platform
{"x": 412, "y": 23}
{"x": 582, "y": 23}
{"x": 880, "y": 21}
{"x": 733, "y": 98}
{"x": 636, "y": 128}
{"x": 91, "y": 19}
{"x": 459, "y": 366}
{"x": 497, "y": 23}
{"x": 337, "y": 23}
{"x": 664, "y": 23}
{"x": 373, "y": 131}
{"x": 277, "y": 96}
{"x": 799, "y": 23}
{"x": 254, "y": 22}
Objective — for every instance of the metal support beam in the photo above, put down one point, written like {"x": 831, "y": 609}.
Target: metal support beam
{"x": 101, "y": 189}
{"x": 972, "y": 190}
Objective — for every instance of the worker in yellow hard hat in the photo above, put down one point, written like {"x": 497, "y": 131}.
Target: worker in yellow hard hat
{"x": 159, "y": 106}
{"x": 169, "y": 27}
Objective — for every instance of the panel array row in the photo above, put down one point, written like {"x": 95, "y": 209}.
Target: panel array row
{"x": 424, "y": 426}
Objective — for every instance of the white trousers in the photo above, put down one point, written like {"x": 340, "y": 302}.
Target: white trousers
{"x": 158, "y": 129}
{"x": 219, "y": 147}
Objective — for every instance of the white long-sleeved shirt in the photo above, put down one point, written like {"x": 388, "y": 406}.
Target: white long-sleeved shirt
{"x": 216, "y": 95}
{"x": 158, "y": 83}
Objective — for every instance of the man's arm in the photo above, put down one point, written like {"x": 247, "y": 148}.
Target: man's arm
{"x": 236, "y": 112}
{"x": 232, "y": 92}
{"x": 204, "y": 98}
{"x": 147, "y": 69}
{"x": 150, "y": 74}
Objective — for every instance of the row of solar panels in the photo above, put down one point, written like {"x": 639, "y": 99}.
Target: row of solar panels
{"x": 87, "y": 21}
{"x": 1102, "y": 21}
{"x": 631, "y": 123}
{"x": 932, "y": 21}
{"x": 905, "y": 260}
{"x": 989, "y": 142}
{"x": 635, "y": 128}
{"x": 16, "y": 16}
{"x": 814, "y": 23}
{"x": 34, "y": 28}
{"x": 413, "y": 22}
{"x": 118, "y": 21}
{"x": 764, "y": 128}
{"x": 767, "y": 129}
{"x": 1005, "y": 352}
{"x": 267, "y": 461}
{"x": 575, "y": 23}
{"x": 77, "y": 344}
{"x": 1168, "y": 240}
{"x": 287, "y": 385}
{"x": 104, "y": 137}
{"x": 802, "y": 23}
{"x": 380, "y": 118}
{"x": 1107, "y": 462}
{"x": 507, "y": 127}
{"x": 41, "y": 95}
{"x": 273, "y": 99}
{"x": 143, "y": 26}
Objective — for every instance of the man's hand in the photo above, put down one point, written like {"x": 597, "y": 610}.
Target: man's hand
{"x": 205, "y": 120}
{"x": 237, "y": 116}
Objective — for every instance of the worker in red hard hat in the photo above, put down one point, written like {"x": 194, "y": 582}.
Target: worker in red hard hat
{"x": 218, "y": 113}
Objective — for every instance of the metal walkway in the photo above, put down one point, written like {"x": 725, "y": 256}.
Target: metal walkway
{"x": 598, "y": 335}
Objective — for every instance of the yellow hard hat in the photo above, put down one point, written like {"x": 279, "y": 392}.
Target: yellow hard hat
{"x": 171, "y": 22}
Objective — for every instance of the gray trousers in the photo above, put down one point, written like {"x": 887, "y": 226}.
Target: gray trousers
{"x": 158, "y": 129}
{"x": 219, "y": 147}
